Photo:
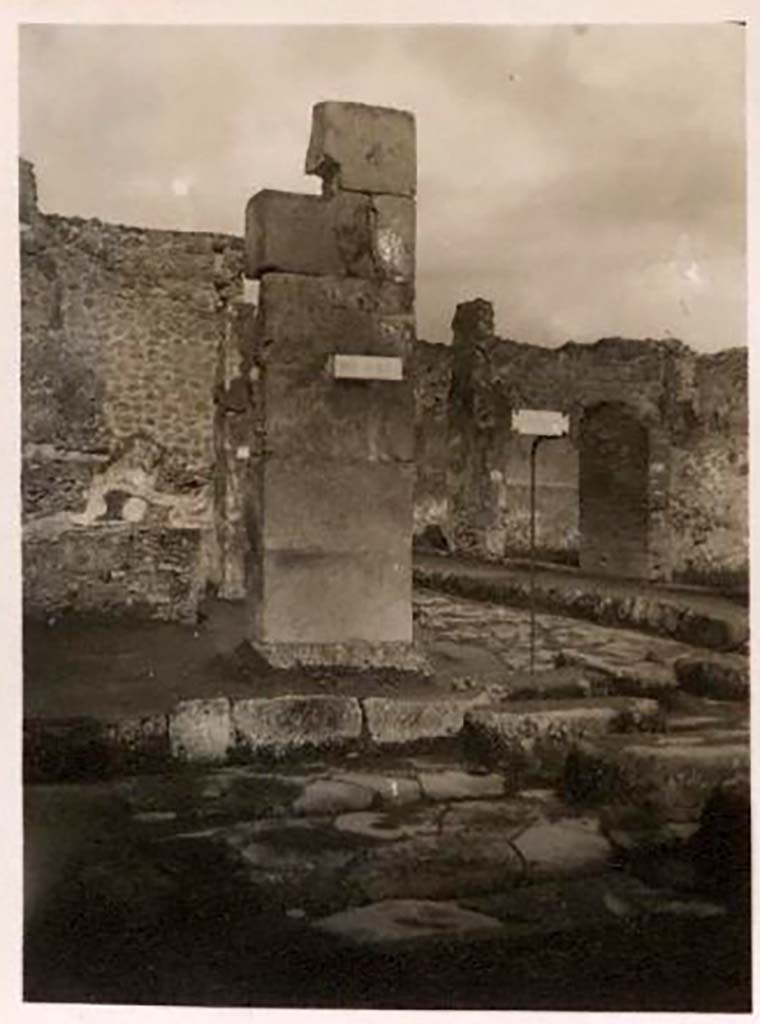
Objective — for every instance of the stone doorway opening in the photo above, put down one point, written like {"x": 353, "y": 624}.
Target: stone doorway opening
{"x": 614, "y": 479}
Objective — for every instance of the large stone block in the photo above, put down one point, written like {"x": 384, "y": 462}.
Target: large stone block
{"x": 347, "y": 234}
{"x": 312, "y": 509}
{"x": 319, "y": 417}
{"x": 281, "y": 725}
{"x": 302, "y": 320}
{"x": 334, "y": 597}
{"x": 392, "y": 722}
{"x": 362, "y": 148}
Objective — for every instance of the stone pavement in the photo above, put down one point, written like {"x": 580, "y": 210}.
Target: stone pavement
{"x": 693, "y": 615}
{"x": 499, "y": 823}
{"x": 399, "y": 854}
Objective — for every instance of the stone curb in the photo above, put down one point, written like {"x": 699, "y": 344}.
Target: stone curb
{"x": 218, "y": 730}
{"x": 659, "y": 616}
{"x": 534, "y": 737}
{"x": 720, "y": 676}
{"x": 671, "y": 778}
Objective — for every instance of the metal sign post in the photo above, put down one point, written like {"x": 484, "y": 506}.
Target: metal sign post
{"x": 542, "y": 425}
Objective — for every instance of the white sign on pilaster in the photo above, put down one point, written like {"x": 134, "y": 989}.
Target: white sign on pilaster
{"x": 540, "y": 422}
{"x": 345, "y": 367}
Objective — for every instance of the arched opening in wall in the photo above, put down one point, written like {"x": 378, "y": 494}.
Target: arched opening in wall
{"x": 614, "y": 492}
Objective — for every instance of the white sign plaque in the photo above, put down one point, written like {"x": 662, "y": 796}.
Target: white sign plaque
{"x": 344, "y": 367}
{"x": 540, "y": 422}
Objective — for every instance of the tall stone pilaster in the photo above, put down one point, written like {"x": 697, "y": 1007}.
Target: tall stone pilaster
{"x": 331, "y": 473}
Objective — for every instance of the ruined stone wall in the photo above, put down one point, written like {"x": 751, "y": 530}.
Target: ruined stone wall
{"x": 691, "y": 413}
{"x": 709, "y": 476}
{"x": 121, "y": 329}
{"x": 429, "y": 368}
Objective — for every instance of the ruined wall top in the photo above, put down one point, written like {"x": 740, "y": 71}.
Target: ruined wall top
{"x": 27, "y": 191}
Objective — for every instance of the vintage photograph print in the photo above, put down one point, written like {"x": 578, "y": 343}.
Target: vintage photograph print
{"x": 385, "y": 516}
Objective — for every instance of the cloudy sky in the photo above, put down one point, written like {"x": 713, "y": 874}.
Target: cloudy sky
{"x": 587, "y": 180}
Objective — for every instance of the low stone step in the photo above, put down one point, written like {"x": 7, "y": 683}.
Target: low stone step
{"x": 534, "y": 737}
{"x": 673, "y": 776}
{"x": 719, "y": 676}
{"x": 221, "y": 730}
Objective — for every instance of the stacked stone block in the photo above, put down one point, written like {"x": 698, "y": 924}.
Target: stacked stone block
{"x": 331, "y": 474}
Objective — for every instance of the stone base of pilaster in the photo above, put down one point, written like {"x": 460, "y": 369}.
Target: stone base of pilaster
{"x": 353, "y": 656}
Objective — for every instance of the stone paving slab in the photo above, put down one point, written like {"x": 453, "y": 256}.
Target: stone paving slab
{"x": 566, "y": 847}
{"x": 404, "y": 920}
{"x": 458, "y": 785}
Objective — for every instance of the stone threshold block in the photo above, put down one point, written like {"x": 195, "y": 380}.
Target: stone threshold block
{"x": 361, "y": 148}
{"x": 345, "y": 235}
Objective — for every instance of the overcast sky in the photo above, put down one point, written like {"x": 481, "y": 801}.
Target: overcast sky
{"x": 588, "y": 181}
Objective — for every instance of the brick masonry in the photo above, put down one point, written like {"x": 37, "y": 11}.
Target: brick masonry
{"x": 121, "y": 330}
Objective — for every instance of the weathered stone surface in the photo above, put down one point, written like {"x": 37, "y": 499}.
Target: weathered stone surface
{"x": 483, "y": 815}
{"x": 404, "y": 920}
{"x": 714, "y": 624}
{"x": 563, "y": 681}
{"x": 539, "y": 734}
{"x": 27, "y": 192}
{"x": 359, "y": 508}
{"x": 306, "y": 319}
{"x": 667, "y": 774}
{"x": 722, "y": 677}
{"x": 138, "y": 741}
{"x": 641, "y": 679}
{"x": 385, "y": 827}
{"x": 316, "y": 417}
{"x": 331, "y": 797}
{"x": 429, "y": 867}
{"x": 458, "y": 785}
{"x": 346, "y": 234}
{"x": 361, "y": 148}
{"x": 681, "y": 417}
{"x": 120, "y": 332}
{"x": 398, "y": 721}
{"x": 566, "y": 847}
{"x": 333, "y": 597}
{"x": 390, "y": 790}
{"x": 399, "y": 658}
{"x": 293, "y": 862}
{"x": 83, "y": 568}
{"x": 201, "y": 730}
{"x": 280, "y": 725}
